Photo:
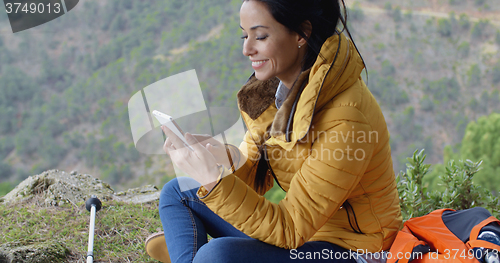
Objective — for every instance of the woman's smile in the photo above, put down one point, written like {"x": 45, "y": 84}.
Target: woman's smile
{"x": 257, "y": 64}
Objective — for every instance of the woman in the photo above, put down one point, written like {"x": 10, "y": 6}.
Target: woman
{"x": 323, "y": 138}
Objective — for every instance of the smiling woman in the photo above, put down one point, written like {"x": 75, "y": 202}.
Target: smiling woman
{"x": 307, "y": 90}
{"x": 274, "y": 50}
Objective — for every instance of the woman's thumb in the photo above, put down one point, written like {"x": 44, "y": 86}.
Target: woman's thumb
{"x": 209, "y": 147}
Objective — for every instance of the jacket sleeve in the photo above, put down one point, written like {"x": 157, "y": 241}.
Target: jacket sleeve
{"x": 337, "y": 161}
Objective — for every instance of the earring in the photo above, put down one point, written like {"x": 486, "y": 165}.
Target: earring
{"x": 300, "y": 46}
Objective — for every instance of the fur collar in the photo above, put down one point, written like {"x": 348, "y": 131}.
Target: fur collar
{"x": 256, "y": 96}
{"x": 280, "y": 123}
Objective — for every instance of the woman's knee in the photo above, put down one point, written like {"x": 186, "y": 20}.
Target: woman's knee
{"x": 219, "y": 250}
{"x": 178, "y": 188}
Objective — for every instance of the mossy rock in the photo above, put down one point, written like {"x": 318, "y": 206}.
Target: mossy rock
{"x": 33, "y": 252}
{"x": 58, "y": 187}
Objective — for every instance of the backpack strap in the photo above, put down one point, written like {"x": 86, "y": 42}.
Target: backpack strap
{"x": 404, "y": 244}
{"x": 473, "y": 242}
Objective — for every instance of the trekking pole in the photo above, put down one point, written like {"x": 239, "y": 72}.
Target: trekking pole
{"x": 93, "y": 205}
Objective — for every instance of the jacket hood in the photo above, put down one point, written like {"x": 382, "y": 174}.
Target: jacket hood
{"x": 337, "y": 67}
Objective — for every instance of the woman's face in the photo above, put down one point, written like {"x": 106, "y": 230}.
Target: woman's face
{"x": 272, "y": 48}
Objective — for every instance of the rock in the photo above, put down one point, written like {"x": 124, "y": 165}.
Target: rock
{"x": 58, "y": 187}
{"x": 145, "y": 194}
{"x": 33, "y": 252}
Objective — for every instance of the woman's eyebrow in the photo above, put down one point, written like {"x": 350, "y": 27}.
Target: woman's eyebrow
{"x": 255, "y": 27}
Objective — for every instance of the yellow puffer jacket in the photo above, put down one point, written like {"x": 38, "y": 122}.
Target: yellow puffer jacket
{"x": 327, "y": 144}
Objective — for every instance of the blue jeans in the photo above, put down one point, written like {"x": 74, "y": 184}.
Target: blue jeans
{"x": 187, "y": 221}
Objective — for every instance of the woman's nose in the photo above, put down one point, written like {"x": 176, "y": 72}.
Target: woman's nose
{"x": 248, "y": 48}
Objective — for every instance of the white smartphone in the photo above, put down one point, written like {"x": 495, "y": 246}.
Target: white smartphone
{"x": 168, "y": 121}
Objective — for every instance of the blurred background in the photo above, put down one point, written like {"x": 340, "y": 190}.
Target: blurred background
{"x": 433, "y": 65}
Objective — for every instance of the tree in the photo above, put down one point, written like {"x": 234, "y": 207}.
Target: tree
{"x": 479, "y": 28}
{"x": 5, "y": 170}
{"x": 463, "y": 21}
{"x": 464, "y": 49}
{"x": 479, "y": 2}
{"x": 397, "y": 14}
{"x": 17, "y": 86}
{"x": 495, "y": 72}
{"x": 482, "y": 142}
{"x": 387, "y": 68}
{"x": 474, "y": 74}
{"x": 444, "y": 27}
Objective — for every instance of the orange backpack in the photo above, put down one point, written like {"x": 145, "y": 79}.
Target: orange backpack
{"x": 444, "y": 235}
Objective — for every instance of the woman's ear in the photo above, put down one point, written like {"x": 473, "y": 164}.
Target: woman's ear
{"x": 306, "y": 27}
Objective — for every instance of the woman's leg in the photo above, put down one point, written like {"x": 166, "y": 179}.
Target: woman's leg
{"x": 244, "y": 250}
{"x": 186, "y": 220}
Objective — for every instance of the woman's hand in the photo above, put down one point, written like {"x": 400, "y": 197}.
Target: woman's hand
{"x": 200, "y": 164}
{"x": 218, "y": 150}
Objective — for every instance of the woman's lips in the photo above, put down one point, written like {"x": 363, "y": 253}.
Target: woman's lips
{"x": 256, "y": 64}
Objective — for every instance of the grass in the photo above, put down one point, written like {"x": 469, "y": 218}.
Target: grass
{"x": 121, "y": 229}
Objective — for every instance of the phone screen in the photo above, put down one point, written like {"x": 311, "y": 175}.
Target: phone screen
{"x": 168, "y": 121}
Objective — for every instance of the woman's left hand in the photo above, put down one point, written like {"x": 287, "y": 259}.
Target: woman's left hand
{"x": 200, "y": 164}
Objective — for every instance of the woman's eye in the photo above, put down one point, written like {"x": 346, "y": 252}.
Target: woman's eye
{"x": 257, "y": 38}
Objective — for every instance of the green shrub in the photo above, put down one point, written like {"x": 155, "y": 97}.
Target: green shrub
{"x": 426, "y": 104}
{"x": 387, "y": 68}
{"x": 408, "y": 15}
{"x": 453, "y": 19}
{"x": 16, "y": 87}
{"x": 387, "y": 90}
{"x": 463, "y": 21}
{"x": 5, "y": 170}
{"x": 443, "y": 89}
{"x": 460, "y": 192}
{"x": 444, "y": 27}
{"x": 479, "y": 28}
{"x": 7, "y": 119}
{"x": 397, "y": 14}
{"x": 495, "y": 72}
{"x": 474, "y": 74}
{"x": 388, "y": 6}
{"x": 6, "y": 146}
{"x": 479, "y": 2}
{"x": 463, "y": 49}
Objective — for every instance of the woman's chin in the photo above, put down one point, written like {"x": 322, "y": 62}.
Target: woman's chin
{"x": 263, "y": 76}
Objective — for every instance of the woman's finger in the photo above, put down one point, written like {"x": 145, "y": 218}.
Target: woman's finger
{"x": 168, "y": 146}
{"x": 204, "y": 139}
{"x": 165, "y": 148}
{"x": 174, "y": 139}
{"x": 194, "y": 143}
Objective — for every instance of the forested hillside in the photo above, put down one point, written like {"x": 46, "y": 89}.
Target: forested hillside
{"x": 434, "y": 66}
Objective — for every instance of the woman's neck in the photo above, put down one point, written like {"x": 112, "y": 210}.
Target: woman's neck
{"x": 290, "y": 79}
